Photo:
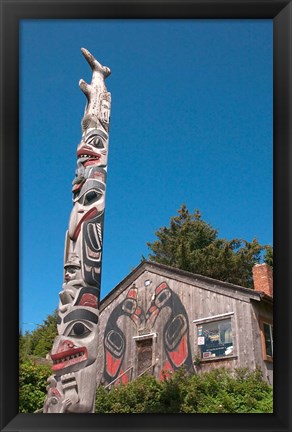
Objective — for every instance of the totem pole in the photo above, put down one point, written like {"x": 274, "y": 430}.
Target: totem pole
{"x": 72, "y": 386}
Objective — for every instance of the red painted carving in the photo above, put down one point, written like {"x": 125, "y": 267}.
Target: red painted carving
{"x": 68, "y": 355}
{"x": 88, "y": 300}
{"x": 89, "y": 215}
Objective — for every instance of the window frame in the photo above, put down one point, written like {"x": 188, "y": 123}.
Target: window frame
{"x": 213, "y": 319}
{"x": 269, "y": 322}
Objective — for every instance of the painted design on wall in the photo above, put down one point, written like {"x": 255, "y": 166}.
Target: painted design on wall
{"x": 72, "y": 386}
{"x": 175, "y": 331}
{"x": 114, "y": 338}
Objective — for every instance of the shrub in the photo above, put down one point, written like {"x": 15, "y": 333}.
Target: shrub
{"x": 140, "y": 396}
{"x": 32, "y": 385}
{"x": 218, "y": 391}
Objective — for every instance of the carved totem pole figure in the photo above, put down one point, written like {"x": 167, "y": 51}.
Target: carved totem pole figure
{"x": 72, "y": 386}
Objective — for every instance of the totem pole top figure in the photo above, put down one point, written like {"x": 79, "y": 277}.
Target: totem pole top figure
{"x": 98, "y": 99}
{"x": 93, "y": 148}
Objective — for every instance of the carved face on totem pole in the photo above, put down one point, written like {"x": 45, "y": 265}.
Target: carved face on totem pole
{"x": 72, "y": 269}
{"x": 71, "y": 272}
{"x": 86, "y": 223}
{"x": 72, "y": 282}
{"x": 74, "y": 356}
{"x": 88, "y": 205}
{"x": 74, "y": 353}
{"x": 91, "y": 152}
{"x": 76, "y": 347}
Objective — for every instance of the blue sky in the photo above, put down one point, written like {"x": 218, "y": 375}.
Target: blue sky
{"x": 191, "y": 122}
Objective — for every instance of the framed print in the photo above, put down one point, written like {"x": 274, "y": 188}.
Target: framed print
{"x": 38, "y": 44}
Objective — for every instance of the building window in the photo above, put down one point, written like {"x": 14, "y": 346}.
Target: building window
{"x": 267, "y": 338}
{"x": 215, "y": 339}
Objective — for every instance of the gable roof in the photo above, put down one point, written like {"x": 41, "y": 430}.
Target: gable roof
{"x": 183, "y": 276}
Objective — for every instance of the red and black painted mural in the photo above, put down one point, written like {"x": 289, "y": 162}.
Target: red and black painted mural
{"x": 114, "y": 338}
{"x": 173, "y": 332}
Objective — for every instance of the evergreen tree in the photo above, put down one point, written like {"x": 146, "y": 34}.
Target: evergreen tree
{"x": 24, "y": 345}
{"x": 191, "y": 244}
{"x": 269, "y": 256}
{"x": 43, "y": 337}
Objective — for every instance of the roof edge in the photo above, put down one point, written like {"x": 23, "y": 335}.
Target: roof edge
{"x": 149, "y": 265}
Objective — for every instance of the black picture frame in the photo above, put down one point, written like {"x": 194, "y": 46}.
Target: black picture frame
{"x": 11, "y": 13}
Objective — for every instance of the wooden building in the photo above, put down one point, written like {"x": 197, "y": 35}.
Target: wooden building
{"x": 160, "y": 318}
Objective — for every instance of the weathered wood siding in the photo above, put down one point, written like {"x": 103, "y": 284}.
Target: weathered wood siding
{"x": 261, "y": 312}
{"x": 193, "y": 300}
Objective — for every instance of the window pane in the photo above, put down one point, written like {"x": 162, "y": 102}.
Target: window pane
{"x": 215, "y": 339}
{"x": 268, "y": 340}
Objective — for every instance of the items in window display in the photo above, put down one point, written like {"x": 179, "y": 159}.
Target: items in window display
{"x": 72, "y": 386}
{"x": 216, "y": 339}
{"x": 201, "y": 340}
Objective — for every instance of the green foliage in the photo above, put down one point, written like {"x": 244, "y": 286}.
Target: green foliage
{"x": 24, "y": 345}
{"x": 268, "y": 258}
{"x": 218, "y": 391}
{"x": 43, "y": 337}
{"x": 142, "y": 395}
{"x": 191, "y": 244}
{"x": 33, "y": 348}
{"x": 32, "y": 385}
{"x": 40, "y": 341}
